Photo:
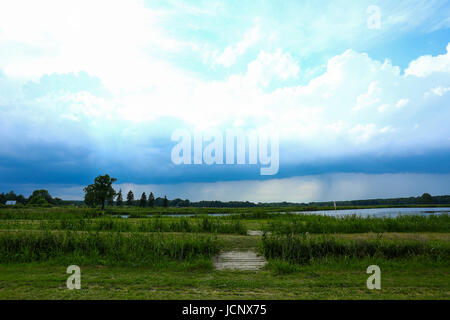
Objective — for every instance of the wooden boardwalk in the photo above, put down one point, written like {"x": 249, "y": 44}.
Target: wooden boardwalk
{"x": 239, "y": 260}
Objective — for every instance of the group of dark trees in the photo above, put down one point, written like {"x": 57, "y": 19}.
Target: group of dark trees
{"x": 101, "y": 192}
{"x": 426, "y": 198}
{"x": 11, "y": 196}
{"x": 38, "y": 198}
{"x": 142, "y": 202}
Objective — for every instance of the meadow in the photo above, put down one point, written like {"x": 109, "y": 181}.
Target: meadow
{"x": 167, "y": 253}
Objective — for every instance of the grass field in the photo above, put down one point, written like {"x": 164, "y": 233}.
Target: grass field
{"x": 164, "y": 257}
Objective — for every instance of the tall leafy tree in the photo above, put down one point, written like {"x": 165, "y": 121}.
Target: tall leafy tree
{"x": 119, "y": 200}
{"x": 100, "y": 191}
{"x": 40, "y": 197}
{"x": 130, "y": 198}
{"x": 165, "y": 202}
{"x": 143, "y": 201}
{"x": 151, "y": 200}
{"x": 426, "y": 198}
{"x": 89, "y": 196}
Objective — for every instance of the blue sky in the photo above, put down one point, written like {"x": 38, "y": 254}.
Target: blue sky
{"x": 90, "y": 88}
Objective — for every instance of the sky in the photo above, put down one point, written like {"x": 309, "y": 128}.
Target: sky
{"x": 356, "y": 93}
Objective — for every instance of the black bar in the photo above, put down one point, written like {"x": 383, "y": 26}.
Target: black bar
{"x": 223, "y": 309}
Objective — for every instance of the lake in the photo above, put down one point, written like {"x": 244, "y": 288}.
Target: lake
{"x": 374, "y": 212}
{"x": 380, "y": 212}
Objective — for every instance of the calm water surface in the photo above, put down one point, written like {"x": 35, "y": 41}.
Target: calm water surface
{"x": 381, "y": 212}
{"x": 376, "y": 212}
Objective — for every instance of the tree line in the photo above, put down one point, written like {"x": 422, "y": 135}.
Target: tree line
{"x": 142, "y": 202}
{"x": 39, "y": 197}
{"x": 101, "y": 193}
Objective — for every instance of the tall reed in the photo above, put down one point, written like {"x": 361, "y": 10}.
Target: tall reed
{"x": 205, "y": 224}
{"x": 357, "y": 224}
{"x": 102, "y": 248}
{"x": 304, "y": 249}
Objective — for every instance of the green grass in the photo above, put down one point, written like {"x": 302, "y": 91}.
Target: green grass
{"x": 163, "y": 257}
{"x": 26, "y": 212}
{"x": 205, "y": 224}
{"x": 102, "y": 248}
{"x": 298, "y": 224}
{"x": 304, "y": 249}
{"x": 82, "y": 219}
{"x": 399, "y": 280}
{"x": 31, "y": 213}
